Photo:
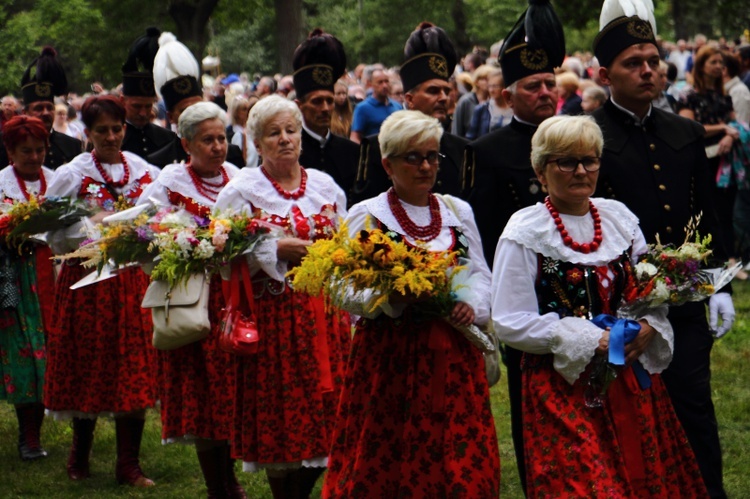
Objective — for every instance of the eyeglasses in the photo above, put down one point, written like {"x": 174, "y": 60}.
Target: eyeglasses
{"x": 416, "y": 159}
{"x": 570, "y": 164}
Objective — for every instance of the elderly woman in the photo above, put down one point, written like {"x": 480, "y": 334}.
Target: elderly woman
{"x": 287, "y": 393}
{"x": 198, "y": 379}
{"x": 24, "y": 317}
{"x": 100, "y": 359}
{"x": 239, "y": 110}
{"x": 406, "y": 427}
{"x": 557, "y": 265}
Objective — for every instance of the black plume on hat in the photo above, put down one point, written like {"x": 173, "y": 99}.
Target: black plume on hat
{"x": 143, "y": 51}
{"x": 137, "y": 77}
{"x": 536, "y": 44}
{"x": 44, "y": 78}
{"x": 426, "y": 43}
{"x": 318, "y": 63}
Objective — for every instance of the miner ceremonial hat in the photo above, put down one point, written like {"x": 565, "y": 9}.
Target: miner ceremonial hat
{"x": 176, "y": 72}
{"x": 318, "y": 63}
{"x": 428, "y": 54}
{"x": 621, "y": 25}
{"x": 536, "y": 44}
{"x": 44, "y": 79}
{"x": 137, "y": 77}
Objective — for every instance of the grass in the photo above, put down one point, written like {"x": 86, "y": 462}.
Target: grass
{"x": 176, "y": 472}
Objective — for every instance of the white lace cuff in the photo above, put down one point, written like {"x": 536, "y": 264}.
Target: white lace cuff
{"x": 354, "y": 303}
{"x": 573, "y": 344}
{"x": 658, "y": 353}
{"x": 264, "y": 257}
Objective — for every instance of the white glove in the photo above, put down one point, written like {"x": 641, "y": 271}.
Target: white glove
{"x": 720, "y": 304}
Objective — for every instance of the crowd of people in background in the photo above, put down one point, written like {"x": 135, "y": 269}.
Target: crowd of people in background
{"x": 335, "y": 140}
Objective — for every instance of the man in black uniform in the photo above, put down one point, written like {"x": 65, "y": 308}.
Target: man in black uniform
{"x": 318, "y": 62}
{"x": 138, "y": 96}
{"x": 176, "y": 76}
{"x": 429, "y": 60}
{"x": 498, "y": 177}
{"x": 655, "y": 163}
{"x": 39, "y": 93}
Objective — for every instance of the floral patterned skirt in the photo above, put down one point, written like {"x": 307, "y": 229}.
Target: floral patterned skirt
{"x": 199, "y": 387}
{"x": 287, "y": 393}
{"x": 22, "y": 331}
{"x": 100, "y": 358}
{"x": 414, "y": 418}
{"x": 632, "y": 446}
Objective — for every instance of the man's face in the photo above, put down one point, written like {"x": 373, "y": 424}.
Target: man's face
{"x": 316, "y": 110}
{"x": 139, "y": 111}
{"x": 431, "y": 98}
{"x": 9, "y": 107}
{"x": 633, "y": 75}
{"x": 174, "y": 115}
{"x": 381, "y": 86}
{"x": 44, "y": 110}
{"x": 535, "y": 98}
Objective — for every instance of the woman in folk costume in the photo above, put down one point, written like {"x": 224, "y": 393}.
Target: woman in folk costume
{"x": 557, "y": 265}
{"x": 414, "y": 418}
{"x": 198, "y": 379}
{"x": 288, "y": 391}
{"x": 28, "y": 285}
{"x": 101, "y": 361}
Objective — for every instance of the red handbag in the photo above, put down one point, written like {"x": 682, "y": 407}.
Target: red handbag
{"x": 238, "y": 330}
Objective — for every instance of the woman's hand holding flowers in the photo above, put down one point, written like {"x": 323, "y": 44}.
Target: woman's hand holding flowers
{"x": 462, "y": 314}
{"x": 635, "y": 348}
{"x": 292, "y": 249}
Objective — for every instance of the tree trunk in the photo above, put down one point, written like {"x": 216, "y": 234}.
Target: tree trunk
{"x": 680, "y": 20}
{"x": 191, "y": 18}
{"x": 288, "y": 31}
{"x": 460, "y": 37}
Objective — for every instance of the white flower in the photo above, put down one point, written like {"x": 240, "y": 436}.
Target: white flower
{"x": 645, "y": 269}
{"x": 204, "y": 250}
{"x": 184, "y": 239}
{"x": 659, "y": 294}
{"x": 690, "y": 251}
{"x": 181, "y": 218}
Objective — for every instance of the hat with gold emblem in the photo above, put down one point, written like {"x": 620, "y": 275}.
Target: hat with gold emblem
{"x": 623, "y": 23}
{"x": 44, "y": 79}
{"x": 137, "y": 76}
{"x": 536, "y": 44}
{"x": 428, "y": 55}
{"x": 176, "y": 72}
{"x": 318, "y": 63}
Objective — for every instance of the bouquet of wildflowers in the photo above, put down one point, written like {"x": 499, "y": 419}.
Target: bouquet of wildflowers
{"x": 21, "y": 220}
{"x": 178, "y": 243}
{"x": 373, "y": 266}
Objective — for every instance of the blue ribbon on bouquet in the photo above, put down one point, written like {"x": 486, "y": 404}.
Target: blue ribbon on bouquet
{"x": 622, "y": 332}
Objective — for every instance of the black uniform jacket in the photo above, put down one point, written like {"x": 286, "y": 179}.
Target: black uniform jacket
{"x": 660, "y": 172}
{"x": 173, "y": 152}
{"x": 372, "y": 179}
{"x": 499, "y": 180}
{"x": 62, "y": 148}
{"x": 146, "y": 140}
{"x": 338, "y": 158}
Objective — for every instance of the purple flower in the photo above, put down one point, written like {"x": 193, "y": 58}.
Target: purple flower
{"x": 692, "y": 266}
{"x": 144, "y": 233}
{"x": 201, "y": 221}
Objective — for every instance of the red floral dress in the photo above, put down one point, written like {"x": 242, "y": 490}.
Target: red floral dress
{"x": 415, "y": 418}
{"x": 287, "y": 393}
{"x": 100, "y": 358}
{"x": 198, "y": 380}
{"x": 631, "y": 446}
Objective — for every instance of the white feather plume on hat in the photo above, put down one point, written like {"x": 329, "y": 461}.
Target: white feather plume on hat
{"x": 612, "y": 9}
{"x": 172, "y": 60}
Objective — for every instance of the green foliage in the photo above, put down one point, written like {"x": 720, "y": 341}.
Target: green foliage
{"x": 250, "y": 48}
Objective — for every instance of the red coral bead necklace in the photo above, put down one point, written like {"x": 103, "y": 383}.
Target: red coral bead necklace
{"x": 421, "y": 233}
{"x": 205, "y": 188}
{"x": 22, "y": 184}
{"x": 288, "y": 194}
{"x": 567, "y": 240}
{"x": 107, "y": 179}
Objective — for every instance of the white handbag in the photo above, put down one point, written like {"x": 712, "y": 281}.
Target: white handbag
{"x": 180, "y": 314}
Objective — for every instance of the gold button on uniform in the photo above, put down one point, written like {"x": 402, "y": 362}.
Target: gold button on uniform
{"x": 652, "y": 147}
{"x": 657, "y": 168}
{"x": 667, "y": 207}
{"x": 669, "y": 230}
{"x": 662, "y": 187}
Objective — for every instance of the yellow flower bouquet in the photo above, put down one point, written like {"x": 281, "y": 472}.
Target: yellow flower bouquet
{"x": 373, "y": 267}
